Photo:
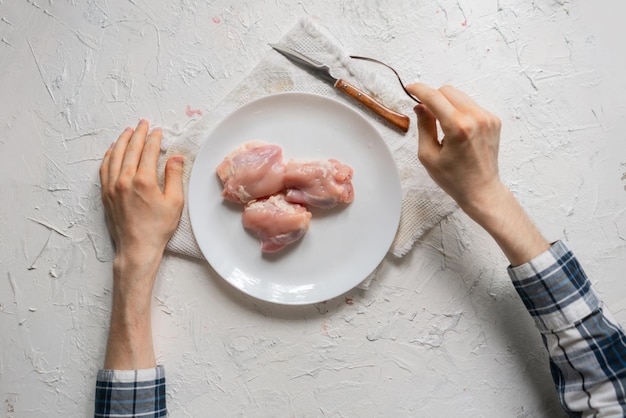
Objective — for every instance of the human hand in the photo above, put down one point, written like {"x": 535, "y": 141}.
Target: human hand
{"x": 140, "y": 217}
{"x": 465, "y": 163}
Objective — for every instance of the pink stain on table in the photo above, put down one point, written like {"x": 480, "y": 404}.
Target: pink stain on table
{"x": 325, "y": 328}
{"x": 193, "y": 112}
{"x": 216, "y": 20}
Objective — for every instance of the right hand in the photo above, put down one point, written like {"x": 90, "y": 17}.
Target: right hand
{"x": 465, "y": 163}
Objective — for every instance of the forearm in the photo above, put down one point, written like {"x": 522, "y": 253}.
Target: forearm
{"x": 141, "y": 217}
{"x": 130, "y": 344}
{"x": 501, "y": 215}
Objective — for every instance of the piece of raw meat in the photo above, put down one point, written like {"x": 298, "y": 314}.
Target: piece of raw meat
{"x": 276, "y": 222}
{"x": 253, "y": 170}
{"x": 320, "y": 184}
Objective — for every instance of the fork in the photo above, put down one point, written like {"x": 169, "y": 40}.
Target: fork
{"x": 392, "y": 69}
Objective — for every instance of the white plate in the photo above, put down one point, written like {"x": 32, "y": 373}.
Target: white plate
{"x": 343, "y": 245}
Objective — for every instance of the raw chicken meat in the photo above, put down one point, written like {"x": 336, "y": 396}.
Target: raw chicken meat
{"x": 274, "y": 192}
{"x": 253, "y": 170}
{"x": 321, "y": 184}
{"x": 276, "y": 222}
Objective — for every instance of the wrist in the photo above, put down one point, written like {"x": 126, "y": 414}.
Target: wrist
{"x": 137, "y": 269}
{"x": 490, "y": 207}
{"x": 136, "y": 259}
{"x": 501, "y": 215}
{"x": 133, "y": 282}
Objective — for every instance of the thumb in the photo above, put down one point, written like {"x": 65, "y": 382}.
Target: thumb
{"x": 428, "y": 145}
{"x": 174, "y": 178}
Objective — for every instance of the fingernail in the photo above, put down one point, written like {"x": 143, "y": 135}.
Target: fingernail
{"x": 418, "y": 110}
{"x": 178, "y": 159}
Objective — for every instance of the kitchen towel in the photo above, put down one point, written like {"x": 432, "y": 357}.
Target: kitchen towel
{"x": 423, "y": 203}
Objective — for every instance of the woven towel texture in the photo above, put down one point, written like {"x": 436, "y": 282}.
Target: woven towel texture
{"x": 423, "y": 203}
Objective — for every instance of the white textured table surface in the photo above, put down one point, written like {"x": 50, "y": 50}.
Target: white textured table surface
{"x": 439, "y": 333}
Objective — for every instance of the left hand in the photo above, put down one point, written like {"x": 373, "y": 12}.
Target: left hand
{"x": 141, "y": 217}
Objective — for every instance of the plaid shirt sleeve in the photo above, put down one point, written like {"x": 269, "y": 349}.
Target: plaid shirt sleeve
{"x": 131, "y": 393}
{"x": 587, "y": 347}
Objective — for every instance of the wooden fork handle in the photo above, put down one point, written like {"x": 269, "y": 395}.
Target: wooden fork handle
{"x": 397, "y": 119}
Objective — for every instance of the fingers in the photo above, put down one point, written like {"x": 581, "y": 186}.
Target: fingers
{"x": 459, "y": 99}
{"x": 428, "y": 145}
{"x": 133, "y": 155}
{"x": 150, "y": 155}
{"x": 174, "y": 179}
{"x": 437, "y": 103}
{"x": 104, "y": 167}
{"x": 116, "y": 156}
{"x": 134, "y": 148}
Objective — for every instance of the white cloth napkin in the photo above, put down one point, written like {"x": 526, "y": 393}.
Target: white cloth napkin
{"x": 423, "y": 203}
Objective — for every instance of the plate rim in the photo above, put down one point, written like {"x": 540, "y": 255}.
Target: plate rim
{"x": 304, "y": 95}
